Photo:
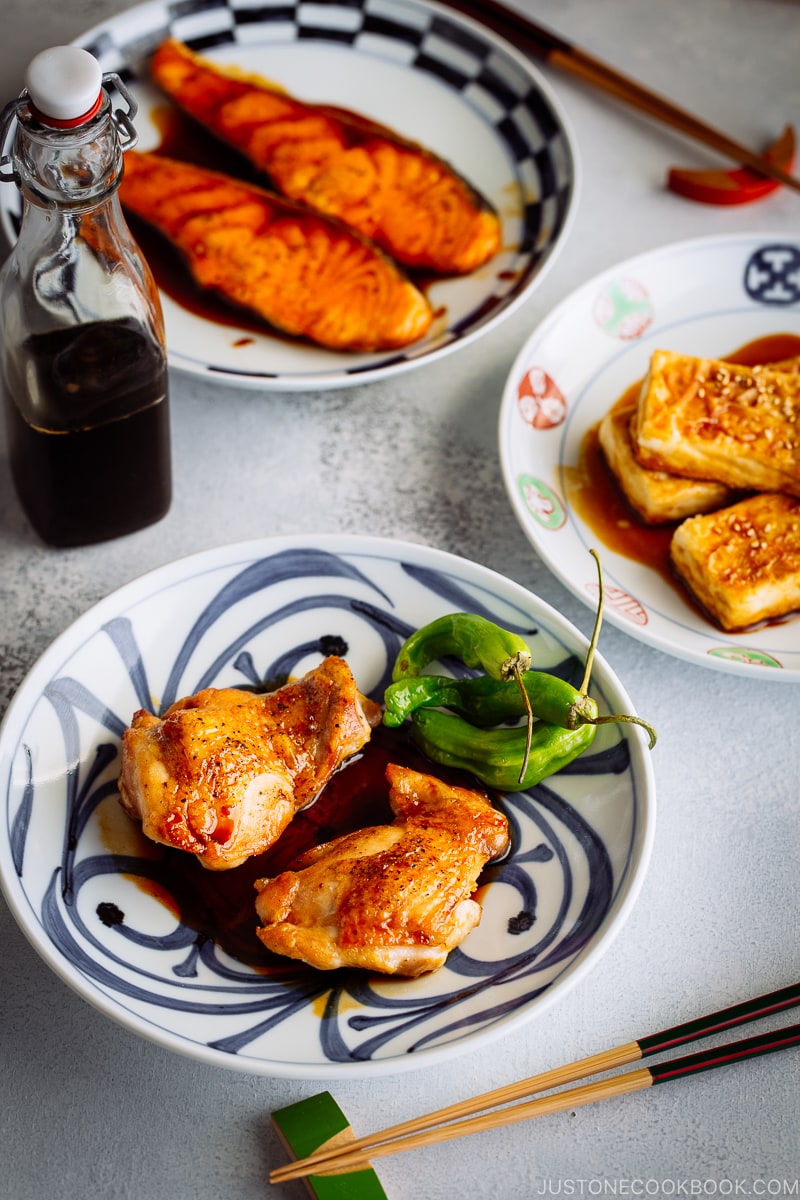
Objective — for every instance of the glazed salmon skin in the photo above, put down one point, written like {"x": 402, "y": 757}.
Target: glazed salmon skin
{"x": 402, "y": 196}
{"x": 302, "y": 272}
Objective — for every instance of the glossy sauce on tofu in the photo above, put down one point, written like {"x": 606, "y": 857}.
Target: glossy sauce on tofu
{"x": 594, "y": 494}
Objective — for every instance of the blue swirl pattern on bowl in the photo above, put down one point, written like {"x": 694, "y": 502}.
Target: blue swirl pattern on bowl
{"x": 579, "y": 841}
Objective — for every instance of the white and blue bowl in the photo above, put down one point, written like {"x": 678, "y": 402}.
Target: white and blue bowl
{"x": 581, "y": 840}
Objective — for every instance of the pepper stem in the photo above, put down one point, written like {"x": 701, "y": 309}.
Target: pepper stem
{"x": 512, "y": 669}
{"x": 614, "y": 718}
{"x": 529, "y": 723}
{"x": 598, "y": 620}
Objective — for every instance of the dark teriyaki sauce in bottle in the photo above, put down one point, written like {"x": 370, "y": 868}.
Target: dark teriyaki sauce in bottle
{"x": 106, "y": 471}
{"x": 83, "y": 361}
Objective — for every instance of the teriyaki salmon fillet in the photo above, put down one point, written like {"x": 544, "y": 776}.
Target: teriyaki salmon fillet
{"x": 301, "y": 271}
{"x": 405, "y": 198}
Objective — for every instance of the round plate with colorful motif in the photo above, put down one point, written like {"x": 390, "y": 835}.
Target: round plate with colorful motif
{"x": 722, "y": 297}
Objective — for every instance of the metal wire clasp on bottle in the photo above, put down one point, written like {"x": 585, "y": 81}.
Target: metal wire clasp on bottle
{"x": 122, "y": 118}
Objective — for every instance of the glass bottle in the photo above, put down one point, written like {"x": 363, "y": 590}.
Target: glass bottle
{"x": 83, "y": 367}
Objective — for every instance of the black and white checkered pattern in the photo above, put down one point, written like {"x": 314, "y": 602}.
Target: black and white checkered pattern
{"x": 424, "y": 37}
{"x": 490, "y": 77}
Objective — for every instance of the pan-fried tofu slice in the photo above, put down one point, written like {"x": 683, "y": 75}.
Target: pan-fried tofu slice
{"x": 656, "y": 496}
{"x": 713, "y": 420}
{"x": 743, "y": 562}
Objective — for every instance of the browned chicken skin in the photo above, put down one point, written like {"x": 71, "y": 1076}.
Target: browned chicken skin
{"x": 391, "y": 898}
{"x": 223, "y": 772}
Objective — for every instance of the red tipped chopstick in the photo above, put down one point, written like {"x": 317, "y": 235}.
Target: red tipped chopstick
{"x": 429, "y": 1129}
{"x": 556, "y": 51}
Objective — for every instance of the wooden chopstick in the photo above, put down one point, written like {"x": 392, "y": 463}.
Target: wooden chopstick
{"x": 431, "y": 1128}
{"x": 590, "y": 1093}
{"x": 556, "y": 51}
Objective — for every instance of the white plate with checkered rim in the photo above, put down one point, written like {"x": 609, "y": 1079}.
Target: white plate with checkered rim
{"x": 704, "y": 297}
{"x": 429, "y": 74}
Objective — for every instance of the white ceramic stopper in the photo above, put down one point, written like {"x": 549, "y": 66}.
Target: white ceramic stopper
{"x": 64, "y": 82}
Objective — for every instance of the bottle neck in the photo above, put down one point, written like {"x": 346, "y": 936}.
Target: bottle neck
{"x": 73, "y": 169}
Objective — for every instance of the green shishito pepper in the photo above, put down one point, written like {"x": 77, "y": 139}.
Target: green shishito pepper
{"x": 485, "y": 701}
{"x": 476, "y": 641}
{"x": 494, "y": 755}
{"x": 561, "y": 720}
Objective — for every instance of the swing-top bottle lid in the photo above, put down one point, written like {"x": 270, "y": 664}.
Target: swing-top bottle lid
{"x": 64, "y": 85}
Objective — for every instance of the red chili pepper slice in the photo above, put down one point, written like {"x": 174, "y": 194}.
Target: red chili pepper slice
{"x": 738, "y": 186}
